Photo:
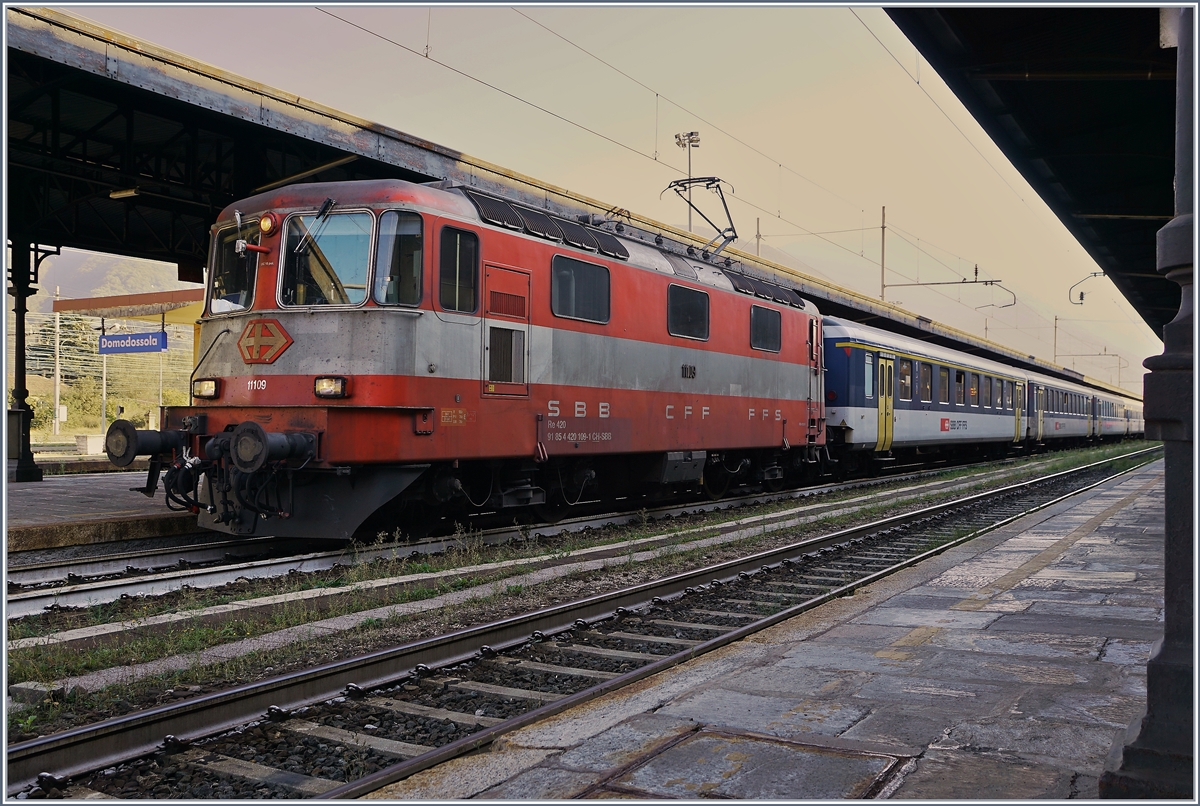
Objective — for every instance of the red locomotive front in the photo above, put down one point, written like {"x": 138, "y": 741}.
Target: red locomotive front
{"x": 383, "y": 354}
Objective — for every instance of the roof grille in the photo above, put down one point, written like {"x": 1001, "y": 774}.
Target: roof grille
{"x": 681, "y": 266}
{"x": 577, "y": 235}
{"x": 540, "y": 224}
{"x": 760, "y": 288}
{"x": 495, "y": 211}
{"x": 609, "y": 245}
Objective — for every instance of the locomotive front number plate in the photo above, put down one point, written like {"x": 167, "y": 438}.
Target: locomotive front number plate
{"x": 263, "y": 341}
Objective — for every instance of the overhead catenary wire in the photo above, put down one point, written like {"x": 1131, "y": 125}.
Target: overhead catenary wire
{"x": 653, "y": 157}
{"x": 683, "y": 108}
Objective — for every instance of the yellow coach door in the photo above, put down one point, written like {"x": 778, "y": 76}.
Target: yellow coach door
{"x": 1018, "y": 402}
{"x": 887, "y": 414}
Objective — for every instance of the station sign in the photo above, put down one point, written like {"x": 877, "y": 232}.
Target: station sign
{"x": 134, "y": 343}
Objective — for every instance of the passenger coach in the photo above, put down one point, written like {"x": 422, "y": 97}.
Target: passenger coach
{"x": 890, "y": 396}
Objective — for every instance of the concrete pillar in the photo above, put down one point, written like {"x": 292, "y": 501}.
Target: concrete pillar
{"x": 1154, "y": 760}
{"x": 21, "y": 288}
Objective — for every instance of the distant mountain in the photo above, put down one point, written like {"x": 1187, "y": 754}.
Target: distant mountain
{"x": 80, "y": 274}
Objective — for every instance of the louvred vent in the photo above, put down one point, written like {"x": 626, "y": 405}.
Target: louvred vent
{"x": 506, "y": 304}
{"x": 495, "y": 211}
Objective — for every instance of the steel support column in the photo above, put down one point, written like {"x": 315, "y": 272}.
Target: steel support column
{"x": 1154, "y": 758}
{"x": 21, "y": 279}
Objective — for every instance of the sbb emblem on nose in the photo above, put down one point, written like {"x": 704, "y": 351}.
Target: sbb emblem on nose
{"x": 263, "y": 341}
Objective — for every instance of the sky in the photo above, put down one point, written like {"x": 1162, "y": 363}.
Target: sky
{"x": 815, "y": 117}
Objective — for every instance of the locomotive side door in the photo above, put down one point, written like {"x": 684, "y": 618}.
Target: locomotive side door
{"x": 505, "y": 331}
{"x": 887, "y": 416}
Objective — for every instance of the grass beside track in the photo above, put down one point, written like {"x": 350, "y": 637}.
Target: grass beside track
{"x": 50, "y": 663}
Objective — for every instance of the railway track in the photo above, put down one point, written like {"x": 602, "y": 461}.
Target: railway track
{"x": 351, "y": 726}
{"x": 36, "y": 587}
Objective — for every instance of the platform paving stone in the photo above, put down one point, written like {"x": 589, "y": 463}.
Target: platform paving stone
{"x": 541, "y": 783}
{"x": 753, "y": 768}
{"x": 1001, "y": 669}
{"x": 776, "y": 716}
{"x": 626, "y": 742}
{"x": 954, "y": 776}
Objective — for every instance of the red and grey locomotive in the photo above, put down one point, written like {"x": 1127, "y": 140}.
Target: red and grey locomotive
{"x": 373, "y": 352}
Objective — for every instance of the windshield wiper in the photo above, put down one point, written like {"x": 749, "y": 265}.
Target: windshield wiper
{"x": 326, "y": 206}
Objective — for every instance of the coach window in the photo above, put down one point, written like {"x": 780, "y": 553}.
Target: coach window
{"x": 986, "y": 389}
{"x": 926, "y": 380}
{"x": 904, "y": 379}
{"x": 687, "y": 312}
{"x": 943, "y": 385}
{"x": 974, "y": 392}
{"x": 579, "y": 290}
{"x": 398, "y": 259}
{"x": 458, "y": 273}
{"x": 326, "y": 261}
{"x": 960, "y": 387}
{"x": 869, "y": 376}
{"x": 766, "y": 329}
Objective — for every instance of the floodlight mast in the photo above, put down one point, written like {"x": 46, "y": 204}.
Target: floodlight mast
{"x": 687, "y": 141}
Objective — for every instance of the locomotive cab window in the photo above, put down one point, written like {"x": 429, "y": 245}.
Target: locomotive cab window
{"x": 232, "y": 272}
{"x": 943, "y": 385}
{"x": 926, "y": 383}
{"x": 398, "y": 259}
{"x": 904, "y": 379}
{"x": 766, "y": 329}
{"x": 458, "y": 270}
{"x": 325, "y": 259}
{"x": 869, "y": 376}
{"x": 579, "y": 290}
{"x": 687, "y": 312}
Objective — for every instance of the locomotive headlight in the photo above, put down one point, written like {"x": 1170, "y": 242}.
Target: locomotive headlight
{"x": 329, "y": 387}
{"x": 205, "y": 388}
{"x": 268, "y": 225}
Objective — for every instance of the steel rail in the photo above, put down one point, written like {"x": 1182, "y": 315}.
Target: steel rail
{"x": 122, "y": 738}
{"x": 44, "y": 573}
{"x": 97, "y": 592}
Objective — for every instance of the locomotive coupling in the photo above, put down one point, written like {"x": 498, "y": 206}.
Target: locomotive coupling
{"x": 123, "y": 443}
{"x": 250, "y": 447}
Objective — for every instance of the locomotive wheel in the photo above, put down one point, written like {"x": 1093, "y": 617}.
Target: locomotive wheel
{"x": 554, "y": 510}
{"x": 774, "y": 485}
{"x": 716, "y": 482}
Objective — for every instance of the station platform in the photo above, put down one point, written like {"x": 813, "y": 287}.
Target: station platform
{"x": 1004, "y": 668}
{"x": 87, "y": 508}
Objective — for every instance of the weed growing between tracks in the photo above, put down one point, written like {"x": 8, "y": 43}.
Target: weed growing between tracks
{"x": 680, "y": 553}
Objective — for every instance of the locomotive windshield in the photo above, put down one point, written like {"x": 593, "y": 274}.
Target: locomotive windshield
{"x": 233, "y": 272}
{"x": 326, "y": 260}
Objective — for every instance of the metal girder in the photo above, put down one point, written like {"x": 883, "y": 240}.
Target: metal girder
{"x": 1081, "y": 101}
